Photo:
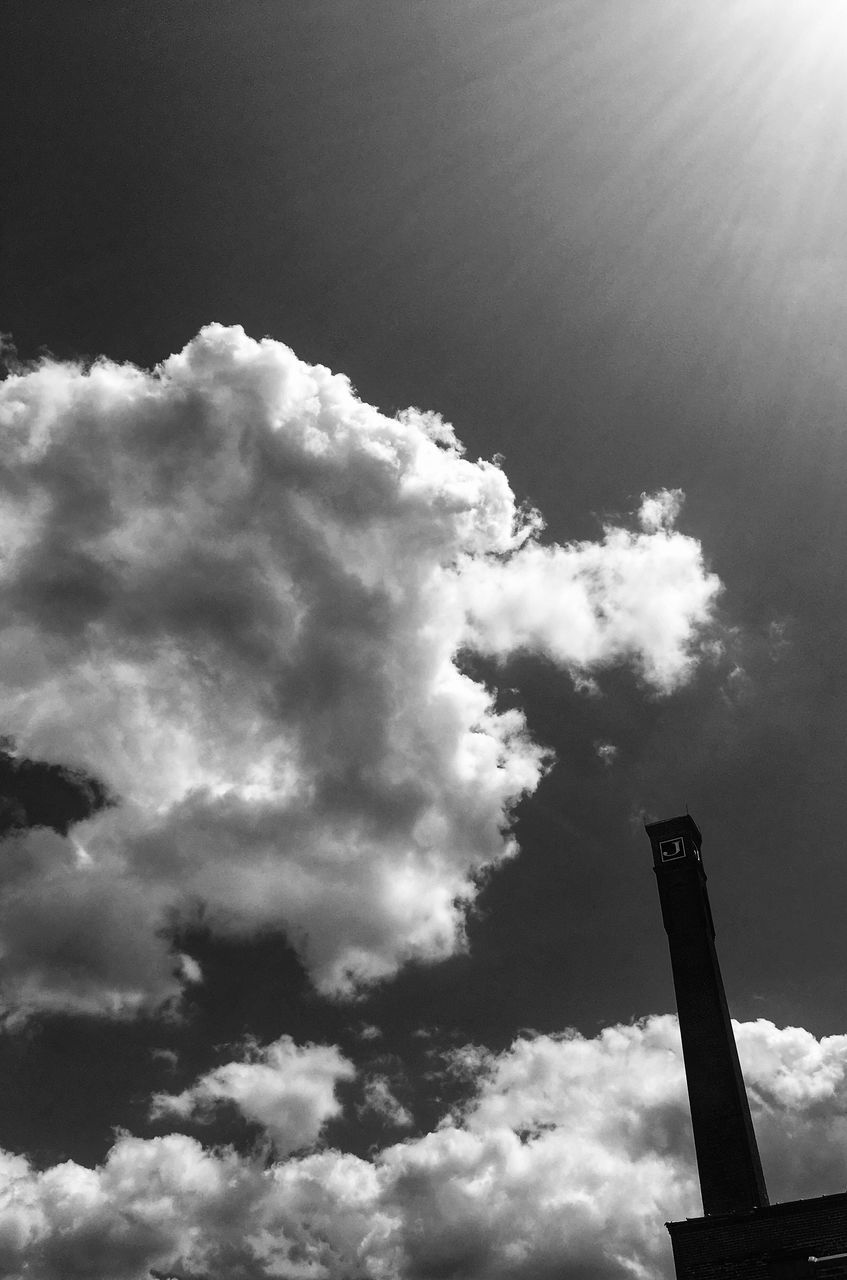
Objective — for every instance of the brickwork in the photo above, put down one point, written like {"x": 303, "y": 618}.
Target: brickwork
{"x": 777, "y": 1242}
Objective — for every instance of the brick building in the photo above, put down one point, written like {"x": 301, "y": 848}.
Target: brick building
{"x": 740, "y": 1236}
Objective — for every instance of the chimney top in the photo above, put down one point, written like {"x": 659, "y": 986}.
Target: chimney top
{"x": 674, "y": 840}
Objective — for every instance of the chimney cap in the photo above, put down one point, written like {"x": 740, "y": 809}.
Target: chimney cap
{"x": 682, "y": 825}
{"x": 674, "y": 840}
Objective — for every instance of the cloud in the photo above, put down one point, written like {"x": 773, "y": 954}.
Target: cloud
{"x": 798, "y": 1091}
{"x": 660, "y": 510}
{"x": 633, "y": 597}
{"x": 380, "y": 1100}
{"x": 286, "y": 1088}
{"x": 234, "y": 594}
{"x": 152, "y": 1201}
{"x": 568, "y": 1159}
{"x": 368, "y": 1031}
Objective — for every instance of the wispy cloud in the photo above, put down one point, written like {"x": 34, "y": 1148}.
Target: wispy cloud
{"x": 380, "y": 1100}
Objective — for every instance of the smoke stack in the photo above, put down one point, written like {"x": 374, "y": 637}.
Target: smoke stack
{"x": 731, "y": 1178}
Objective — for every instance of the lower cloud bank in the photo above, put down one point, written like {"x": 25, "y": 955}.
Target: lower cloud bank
{"x": 571, "y": 1153}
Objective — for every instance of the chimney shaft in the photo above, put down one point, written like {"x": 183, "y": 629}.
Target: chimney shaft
{"x": 731, "y": 1178}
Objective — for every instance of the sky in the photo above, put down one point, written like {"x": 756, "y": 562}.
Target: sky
{"x": 423, "y": 463}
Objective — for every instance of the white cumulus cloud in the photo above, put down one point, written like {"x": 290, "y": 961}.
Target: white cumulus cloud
{"x": 235, "y": 594}
{"x": 568, "y": 1160}
{"x": 639, "y": 597}
{"x": 798, "y": 1091}
{"x": 286, "y": 1088}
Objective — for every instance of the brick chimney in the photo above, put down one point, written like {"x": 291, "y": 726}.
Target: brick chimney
{"x": 731, "y": 1178}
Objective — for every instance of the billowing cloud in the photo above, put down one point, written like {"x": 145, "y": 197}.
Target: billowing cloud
{"x": 567, "y": 1160}
{"x": 798, "y": 1091}
{"x": 151, "y": 1201}
{"x": 286, "y": 1088}
{"x": 235, "y": 594}
{"x": 635, "y": 597}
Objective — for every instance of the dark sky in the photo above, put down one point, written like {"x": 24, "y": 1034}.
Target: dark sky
{"x": 604, "y": 241}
